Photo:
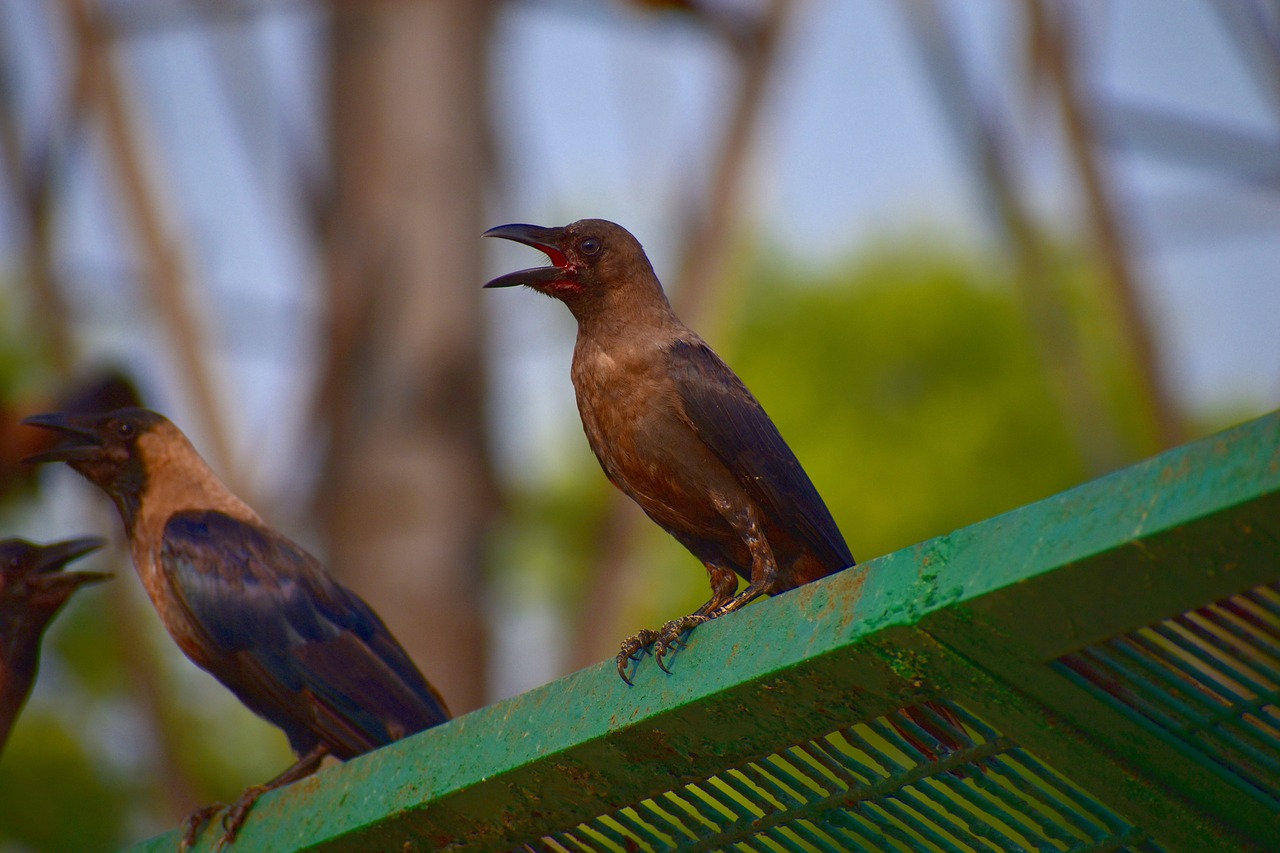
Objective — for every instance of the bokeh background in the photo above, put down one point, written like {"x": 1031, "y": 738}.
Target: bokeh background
{"x": 968, "y": 253}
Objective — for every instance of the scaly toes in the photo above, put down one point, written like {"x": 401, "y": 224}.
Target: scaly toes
{"x": 195, "y": 822}
{"x": 631, "y": 648}
{"x": 238, "y": 814}
{"x": 670, "y": 635}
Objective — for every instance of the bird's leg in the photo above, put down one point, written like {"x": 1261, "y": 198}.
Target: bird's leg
{"x": 195, "y": 822}
{"x": 764, "y": 566}
{"x": 239, "y": 811}
{"x": 724, "y": 582}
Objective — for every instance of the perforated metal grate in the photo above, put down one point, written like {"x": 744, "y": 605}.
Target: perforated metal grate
{"x": 1207, "y": 681}
{"x": 869, "y": 788}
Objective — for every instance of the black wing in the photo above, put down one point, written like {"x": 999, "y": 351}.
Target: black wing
{"x": 293, "y": 644}
{"x": 734, "y": 425}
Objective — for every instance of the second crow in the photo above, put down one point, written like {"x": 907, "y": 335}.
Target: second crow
{"x": 246, "y": 604}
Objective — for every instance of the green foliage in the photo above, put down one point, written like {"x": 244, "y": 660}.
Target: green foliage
{"x": 56, "y": 795}
{"x": 21, "y": 367}
{"x": 910, "y": 390}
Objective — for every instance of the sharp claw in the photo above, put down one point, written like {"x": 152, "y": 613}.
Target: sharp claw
{"x": 622, "y": 668}
{"x": 235, "y": 818}
{"x": 195, "y": 822}
{"x": 633, "y": 649}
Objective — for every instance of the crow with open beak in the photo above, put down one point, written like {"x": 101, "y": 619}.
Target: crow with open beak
{"x": 33, "y": 588}
{"x": 676, "y": 430}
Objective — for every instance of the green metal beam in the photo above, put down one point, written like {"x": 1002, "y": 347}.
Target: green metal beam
{"x": 976, "y": 616}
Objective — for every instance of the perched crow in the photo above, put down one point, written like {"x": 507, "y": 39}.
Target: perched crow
{"x": 246, "y": 604}
{"x": 676, "y": 430}
{"x": 32, "y": 591}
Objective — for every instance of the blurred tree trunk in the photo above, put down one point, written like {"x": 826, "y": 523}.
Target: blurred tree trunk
{"x": 407, "y": 493}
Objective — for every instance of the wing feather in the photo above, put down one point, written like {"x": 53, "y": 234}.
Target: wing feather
{"x": 293, "y": 644}
{"x": 733, "y": 424}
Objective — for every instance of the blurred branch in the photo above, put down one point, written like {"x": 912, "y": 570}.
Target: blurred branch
{"x": 166, "y": 279}
{"x": 139, "y": 17}
{"x": 701, "y": 279}
{"x": 1230, "y": 152}
{"x": 987, "y": 149}
{"x": 240, "y": 62}
{"x": 1256, "y": 34}
{"x": 30, "y": 178}
{"x": 1050, "y": 29}
{"x": 700, "y": 287}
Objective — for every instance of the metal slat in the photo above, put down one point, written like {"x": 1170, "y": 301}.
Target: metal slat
{"x": 1075, "y": 806}
{"x": 934, "y": 810}
{"x": 1063, "y": 822}
{"x": 875, "y": 813}
{"x": 1231, "y": 710}
{"x": 852, "y": 830}
{"x": 896, "y": 808}
{"x": 736, "y": 811}
{"x": 632, "y": 823}
{"x": 684, "y": 800}
{"x": 1228, "y": 615}
{"x": 1208, "y": 648}
{"x": 795, "y": 778}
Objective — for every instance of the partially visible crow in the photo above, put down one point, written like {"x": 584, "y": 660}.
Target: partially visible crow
{"x": 246, "y": 604}
{"x": 32, "y": 591}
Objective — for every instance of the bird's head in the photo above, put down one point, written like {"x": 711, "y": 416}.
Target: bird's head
{"x": 108, "y": 449}
{"x": 592, "y": 261}
{"x": 30, "y": 575}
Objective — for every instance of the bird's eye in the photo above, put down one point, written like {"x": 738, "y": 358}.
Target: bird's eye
{"x": 589, "y": 246}
{"x": 124, "y": 429}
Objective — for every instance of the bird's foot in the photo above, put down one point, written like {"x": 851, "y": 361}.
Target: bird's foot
{"x": 669, "y": 636}
{"x": 195, "y": 822}
{"x": 235, "y": 817}
{"x": 632, "y": 647}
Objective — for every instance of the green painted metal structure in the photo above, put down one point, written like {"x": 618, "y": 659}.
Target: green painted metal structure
{"x": 1113, "y": 653}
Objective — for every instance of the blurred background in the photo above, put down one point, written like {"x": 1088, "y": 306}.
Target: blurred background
{"x": 967, "y": 254}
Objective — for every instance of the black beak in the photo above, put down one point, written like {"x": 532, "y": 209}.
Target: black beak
{"x": 46, "y": 577}
{"x": 545, "y": 240}
{"x": 57, "y": 554}
{"x": 80, "y": 439}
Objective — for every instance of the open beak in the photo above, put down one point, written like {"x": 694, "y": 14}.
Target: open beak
{"x": 545, "y": 240}
{"x": 53, "y": 557}
{"x": 56, "y": 555}
{"x": 80, "y": 441}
